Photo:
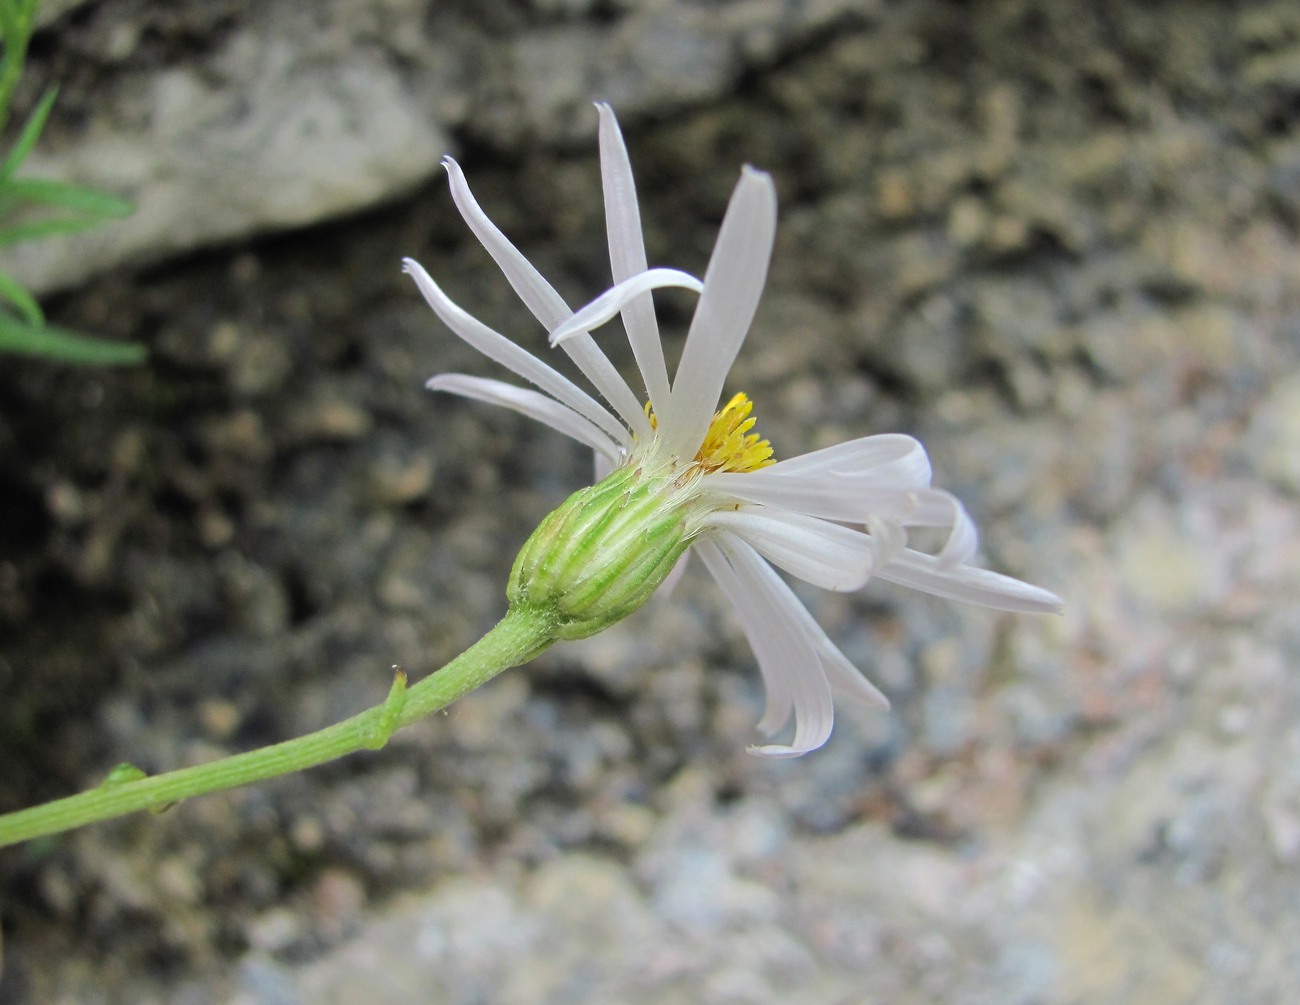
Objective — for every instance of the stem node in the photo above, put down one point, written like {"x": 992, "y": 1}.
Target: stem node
{"x": 389, "y": 713}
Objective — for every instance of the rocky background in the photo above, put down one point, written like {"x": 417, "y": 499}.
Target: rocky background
{"x": 1055, "y": 239}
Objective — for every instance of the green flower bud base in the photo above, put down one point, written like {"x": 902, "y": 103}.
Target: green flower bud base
{"x": 601, "y": 555}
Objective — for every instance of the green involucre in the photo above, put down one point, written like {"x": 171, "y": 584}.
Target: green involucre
{"x": 603, "y": 552}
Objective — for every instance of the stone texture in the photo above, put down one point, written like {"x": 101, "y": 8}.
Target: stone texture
{"x": 1054, "y": 240}
{"x": 290, "y": 114}
{"x": 293, "y": 117}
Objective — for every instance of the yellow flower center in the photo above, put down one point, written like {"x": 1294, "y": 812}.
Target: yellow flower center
{"x": 729, "y": 445}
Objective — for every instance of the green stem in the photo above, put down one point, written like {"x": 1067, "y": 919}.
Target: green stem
{"x": 522, "y": 634}
{"x": 19, "y": 24}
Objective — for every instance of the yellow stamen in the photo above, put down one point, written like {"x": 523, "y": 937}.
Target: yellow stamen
{"x": 729, "y": 445}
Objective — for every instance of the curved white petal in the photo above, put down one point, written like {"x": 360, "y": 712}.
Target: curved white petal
{"x": 851, "y": 498}
{"x": 777, "y": 702}
{"x": 888, "y": 539}
{"x": 969, "y": 584}
{"x": 545, "y": 302}
{"x": 887, "y": 459}
{"x": 610, "y": 303}
{"x": 675, "y": 576}
{"x": 927, "y": 508}
{"x": 828, "y": 495}
{"x": 540, "y": 296}
{"x": 530, "y": 403}
{"x": 627, "y": 255}
{"x": 825, "y": 554}
{"x": 497, "y": 347}
{"x": 963, "y": 539}
{"x": 846, "y": 680}
{"x": 733, "y": 283}
{"x": 601, "y": 466}
{"x": 771, "y": 614}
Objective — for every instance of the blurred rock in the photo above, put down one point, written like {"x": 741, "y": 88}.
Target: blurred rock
{"x": 1274, "y": 436}
{"x": 285, "y": 116}
{"x": 1055, "y": 244}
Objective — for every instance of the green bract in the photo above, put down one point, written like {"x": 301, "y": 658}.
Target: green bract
{"x": 601, "y": 555}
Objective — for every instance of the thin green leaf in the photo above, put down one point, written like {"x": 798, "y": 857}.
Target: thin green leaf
{"x": 17, "y": 17}
{"x": 30, "y": 134}
{"x": 66, "y": 346}
{"x": 27, "y": 306}
{"x": 23, "y": 11}
{"x": 15, "y": 23}
{"x": 43, "y": 228}
{"x": 80, "y": 198}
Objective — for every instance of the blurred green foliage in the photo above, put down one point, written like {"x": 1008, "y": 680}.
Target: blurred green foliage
{"x": 32, "y": 208}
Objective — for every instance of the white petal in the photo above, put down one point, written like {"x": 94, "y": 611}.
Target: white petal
{"x": 968, "y": 584}
{"x": 829, "y": 495}
{"x": 500, "y": 349}
{"x": 540, "y": 296}
{"x": 825, "y": 554}
{"x": 888, "y": 539}
{"x": 674, "y": 577}
{"x": 530, "y": 403}
{"x": 846, "y": 680}
{"x": 733, "y": 284}
{"x": 963, "y": 540}
{"x": 606, "y": 306}
{"x": 774, "y": 614}
{"x": 777, "y": 702}
{"x": 888, "y": 459}
{"x": 928, "y": 508}
{"x": 850, "y": 498}
{"x": 627, "y": 255}
{"x": 545, "y": 302}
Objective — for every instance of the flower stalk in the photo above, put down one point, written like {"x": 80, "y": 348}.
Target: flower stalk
{"x": 522, "y": 634}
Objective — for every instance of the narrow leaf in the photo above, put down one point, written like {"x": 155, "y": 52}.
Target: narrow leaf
{"x": 66, "y": 346}
{"x": 80, "y": 198}
{"x": 30, "y": 134}
{"x": 44, "y": 228}
{"x": 27, "y": 306}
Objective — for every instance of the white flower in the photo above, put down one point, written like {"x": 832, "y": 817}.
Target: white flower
{"x": 834, "y": 518}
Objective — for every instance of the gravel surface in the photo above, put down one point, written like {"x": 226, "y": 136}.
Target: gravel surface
{"x": 1056, "y": 241}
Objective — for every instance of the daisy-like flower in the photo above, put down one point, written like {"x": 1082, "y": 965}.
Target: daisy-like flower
{"x": 675, "y": 472}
